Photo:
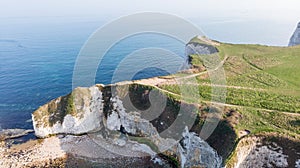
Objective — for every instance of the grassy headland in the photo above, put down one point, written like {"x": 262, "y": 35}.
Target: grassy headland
{"x": 262, "y": 86}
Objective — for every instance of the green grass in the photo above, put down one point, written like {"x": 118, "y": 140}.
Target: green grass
{"x": 282, "y": 63}
{"x": 271, "y": 73}
{"x": 258, "y": 121}
{"x": 174, "y": 161}
{"x": 243, "y": 97}
{"x": 65, "y": 107}
{"x": 196, "y": 60}
{"x": 53, "y": 112}
{"x": 258, "y": 66}
{"x": 146, "y": 141}
{"x": 197, "y": 40}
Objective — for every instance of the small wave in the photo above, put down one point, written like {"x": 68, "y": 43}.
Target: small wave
{"x": 5, "y": 105}
{"x": 18, "y": 106}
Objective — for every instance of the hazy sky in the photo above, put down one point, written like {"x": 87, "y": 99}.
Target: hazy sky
{"x": 268, "y": 9}
{"x": 239, "y": 21}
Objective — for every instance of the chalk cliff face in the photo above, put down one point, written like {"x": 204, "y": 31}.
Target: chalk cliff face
{"x": 295, "y": 39}
{"x": 193, "y": 151}
{"x": 131, "y": 122}
{"x": 265, "y": 151}
{"x": 99, "y": 113}
{"x": 202, "y": 49}
{"x": 77, "y": 113}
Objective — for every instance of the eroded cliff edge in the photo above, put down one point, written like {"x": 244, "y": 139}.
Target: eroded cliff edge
{"x": 94, "y": 126}
{"x": 100, "y": 112}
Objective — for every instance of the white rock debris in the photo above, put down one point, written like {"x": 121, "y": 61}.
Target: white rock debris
{"x": 297, "y": 164}
{"x": 264, "y": 156}
{"x": 113, "y": 121}
{"x": 194, "y": 151}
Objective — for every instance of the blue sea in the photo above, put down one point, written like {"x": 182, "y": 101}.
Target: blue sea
{"x": 37, "y": 61}
{"x": 37, "y": 58}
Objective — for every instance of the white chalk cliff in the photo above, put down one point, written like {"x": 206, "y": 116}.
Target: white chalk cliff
{"x": 77, "y": 113}
{"x": 95, "y": 110}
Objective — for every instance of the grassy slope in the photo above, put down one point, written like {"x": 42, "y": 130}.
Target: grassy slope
{"x": 263, "y": 85}
{"x": 269, "y": 77}
{"x": 270, "y": 66}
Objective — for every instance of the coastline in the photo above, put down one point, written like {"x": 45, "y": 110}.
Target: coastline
{"x": 233, "y": 116}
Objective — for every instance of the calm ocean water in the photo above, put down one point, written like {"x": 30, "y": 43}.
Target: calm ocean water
{"x": 37, "y": 58}
{"x": 37, "y": 61}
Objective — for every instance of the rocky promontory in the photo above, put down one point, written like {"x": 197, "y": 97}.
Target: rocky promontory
{"x": 93, "y": 126}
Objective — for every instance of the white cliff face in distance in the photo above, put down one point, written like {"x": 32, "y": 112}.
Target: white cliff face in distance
{"x": 295, "y": 39}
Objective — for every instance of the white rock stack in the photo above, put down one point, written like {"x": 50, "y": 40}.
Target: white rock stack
{"x": 295, "y": 39}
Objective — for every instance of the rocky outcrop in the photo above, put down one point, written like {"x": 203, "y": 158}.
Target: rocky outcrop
{"x": 295, "y": 39}
{"x": 265, "y": 151}
{"x": 193, "y": 151}
{"x": 201, "y": 46}
{"x": 100, "y": 113}
{"x": 130, "y": 123}
{"x": 77, "y": 113}
{"x": 200, "y": 49}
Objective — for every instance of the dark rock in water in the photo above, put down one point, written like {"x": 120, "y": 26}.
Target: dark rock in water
{"x": 295, "y": 39}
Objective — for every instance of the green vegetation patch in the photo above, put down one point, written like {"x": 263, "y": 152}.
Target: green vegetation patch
{"x": 146, "y": 141}
{"x": 247, "y": 97}
{"x": 258, "y": 121}
{"x": 60, "y": 110}
{"x": 55, "y": 110}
